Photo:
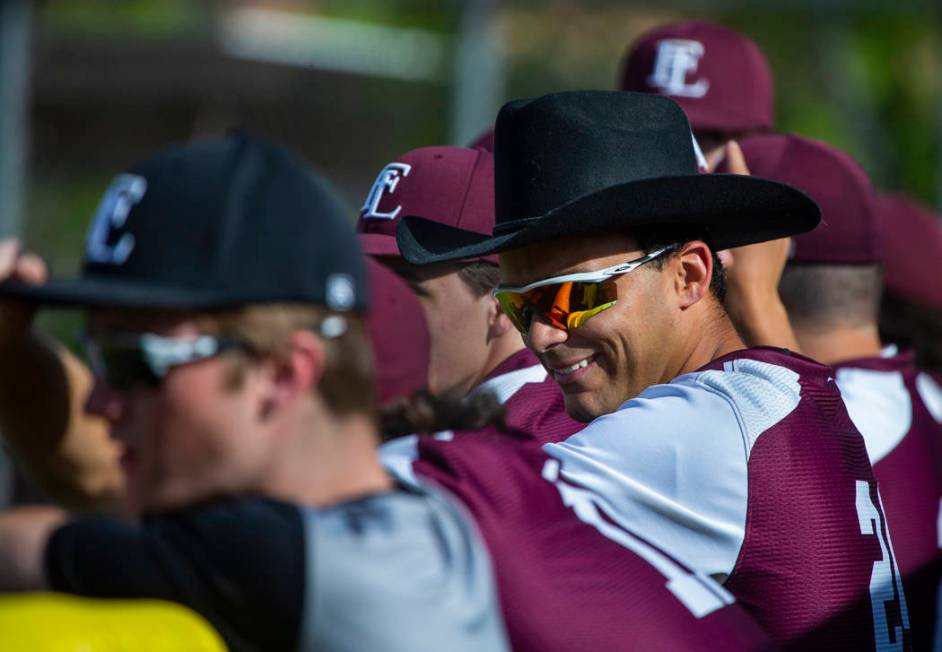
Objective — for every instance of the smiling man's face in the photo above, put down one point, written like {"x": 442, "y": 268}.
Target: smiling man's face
{"x": 618, "y": 352}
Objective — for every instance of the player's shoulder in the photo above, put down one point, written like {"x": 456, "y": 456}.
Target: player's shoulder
{"x": 412, "y": 559}
{"x": 877, "y": 394}
{"x": 742, "y": 394}
{"x": 929, "y": 387}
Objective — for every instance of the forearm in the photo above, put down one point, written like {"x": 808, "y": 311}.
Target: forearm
{"x": 24, "y": 533}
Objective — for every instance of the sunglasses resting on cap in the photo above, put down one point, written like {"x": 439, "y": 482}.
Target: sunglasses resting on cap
{"x": 567, "y": 302}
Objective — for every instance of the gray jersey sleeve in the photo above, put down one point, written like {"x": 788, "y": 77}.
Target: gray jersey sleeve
{"x": 402, "y": 571}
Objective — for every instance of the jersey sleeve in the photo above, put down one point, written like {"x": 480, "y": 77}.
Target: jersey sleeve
{"x": 240, "y": 564}
{"x": 670, "y": 465}
{"x": 400, "y": 571}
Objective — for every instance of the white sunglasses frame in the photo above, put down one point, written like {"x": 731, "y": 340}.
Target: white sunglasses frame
{"x": 591, "y": 277}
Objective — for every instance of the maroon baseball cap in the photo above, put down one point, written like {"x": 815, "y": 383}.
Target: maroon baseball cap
{"x": 719, "y": 77}
{"x": 849, "y": 231}
{"x": 449, "y": 185}
{"x": 912, "y": 242}
{"x": 398, "y": 332}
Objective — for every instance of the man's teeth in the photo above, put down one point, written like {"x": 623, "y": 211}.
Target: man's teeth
{"x": 568, "y": 370}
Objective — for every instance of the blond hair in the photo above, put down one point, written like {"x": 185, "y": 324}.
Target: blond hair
{"x": 347, "y": 383}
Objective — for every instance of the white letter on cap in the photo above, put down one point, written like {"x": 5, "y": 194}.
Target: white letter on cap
{"x": 386, "y": 182}
{"x": 125, "y": 191}
{"x": 677, "y": 58}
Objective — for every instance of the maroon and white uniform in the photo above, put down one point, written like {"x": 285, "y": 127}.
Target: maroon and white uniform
{"x": 570, "y": 579}
{"x": 533, "y": 402}
{"x": 751, "y": 468}
{"x": 892, "y": 405}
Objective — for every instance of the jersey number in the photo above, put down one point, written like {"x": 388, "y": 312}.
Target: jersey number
{"x": 886, "y": 589}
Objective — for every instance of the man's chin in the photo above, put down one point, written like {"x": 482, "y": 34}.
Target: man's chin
{"x": 584, "y": 407}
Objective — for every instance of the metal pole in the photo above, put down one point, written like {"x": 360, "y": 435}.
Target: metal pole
{"x": 479, "y": 71}
{"x": 15, "y": 17}
{"x": 14, "y": 74}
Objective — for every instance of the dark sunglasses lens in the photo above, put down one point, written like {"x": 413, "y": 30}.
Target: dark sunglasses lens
{"x": 125, "y": 367}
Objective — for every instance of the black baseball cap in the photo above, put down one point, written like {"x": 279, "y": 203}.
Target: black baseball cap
{"x": 213, "y": 224}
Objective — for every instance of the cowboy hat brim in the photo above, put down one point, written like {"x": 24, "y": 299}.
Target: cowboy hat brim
{"x": 735, "y": 210}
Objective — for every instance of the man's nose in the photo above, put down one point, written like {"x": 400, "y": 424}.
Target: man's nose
{"x": 543, "y": 337}
{"x": 104, "y": 401}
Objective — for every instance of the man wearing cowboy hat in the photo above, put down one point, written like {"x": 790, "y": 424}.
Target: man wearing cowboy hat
{"x": 740, "y": 462}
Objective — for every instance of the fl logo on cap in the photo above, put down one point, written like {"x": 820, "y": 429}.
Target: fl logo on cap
{"x": 123, "y": 193}
{"x": 676, "y": 59}
{"x": 385, "y": 184}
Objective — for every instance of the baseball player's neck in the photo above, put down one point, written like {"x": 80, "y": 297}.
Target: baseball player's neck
{"x": 501, "y": 348}
{"x": 327, "y": 459}
{"x": 711, "y": 336}
{"x": 839, "y": 343}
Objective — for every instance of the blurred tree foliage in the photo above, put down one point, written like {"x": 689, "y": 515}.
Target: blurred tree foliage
{"x": 867, "y": 80}
{"x": 126, "y": 19}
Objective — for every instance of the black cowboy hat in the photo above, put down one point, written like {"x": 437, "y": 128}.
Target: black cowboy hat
{"x": 568, "y": 163}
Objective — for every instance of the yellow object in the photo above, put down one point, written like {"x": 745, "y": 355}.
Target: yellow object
{"x": 51, "y": 622}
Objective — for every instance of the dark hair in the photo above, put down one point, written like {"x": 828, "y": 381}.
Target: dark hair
{"x": 424, "y": 413}
{"x": 832, "y": 295}
{"x": 480, "y": 276}
{"x": 912, "y": 327}
{"x": 652, "y": 238}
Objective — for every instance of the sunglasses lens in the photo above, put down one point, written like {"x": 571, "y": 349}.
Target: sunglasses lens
{"x": 122, "y": 367}
{"x": 564, "y": 306}
{"x": 514, "y": 306}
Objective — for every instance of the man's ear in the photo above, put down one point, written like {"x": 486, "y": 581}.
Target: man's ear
{"x": 498, "y": 324}
{"x": 694, "y": 271}
{"x": 294, "y": 374}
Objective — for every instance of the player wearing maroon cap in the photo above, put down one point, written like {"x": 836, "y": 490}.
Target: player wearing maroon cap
{"x": 741, "y": 463}
{"x": 719, "y": 77}
{"x": 474, "y": 347}
{"x": 911, "y": 309}
{"x": 831, "y": 289}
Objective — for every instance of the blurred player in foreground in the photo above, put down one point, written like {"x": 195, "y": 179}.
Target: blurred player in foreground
{"x": 831, "y": 288}
{"x": 224, "y": 295}
{"x": 741, "y": 463}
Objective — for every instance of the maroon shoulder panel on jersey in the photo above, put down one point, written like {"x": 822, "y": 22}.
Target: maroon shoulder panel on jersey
{"x": 563, "y": 585}
{"x": 816, "y": 567}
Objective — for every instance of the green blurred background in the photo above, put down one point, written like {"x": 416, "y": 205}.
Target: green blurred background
{"x": 353, "y": 83}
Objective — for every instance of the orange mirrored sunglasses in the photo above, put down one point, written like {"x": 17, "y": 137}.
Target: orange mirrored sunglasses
{"x": 567, "y": 302}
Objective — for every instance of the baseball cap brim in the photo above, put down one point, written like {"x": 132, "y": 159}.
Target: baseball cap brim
{"x": 735, "y": 210}
{"x": 378, "y": 244}
{"x": 91, "y": 292}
